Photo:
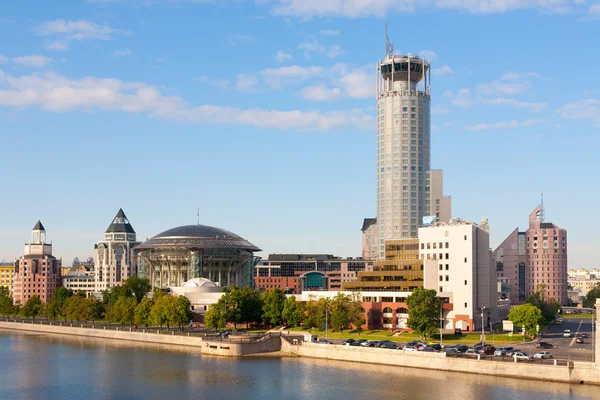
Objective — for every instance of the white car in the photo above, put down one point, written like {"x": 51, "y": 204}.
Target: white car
{"x": 567, "y": 333}
{"x": 543, "y": 354}
{"x": 410, "y": 348}
{"x": 521, "y": 356}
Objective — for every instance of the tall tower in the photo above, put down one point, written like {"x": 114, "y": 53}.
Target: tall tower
{"x": 403, "y": 145}
{"x": 114, "y": 261}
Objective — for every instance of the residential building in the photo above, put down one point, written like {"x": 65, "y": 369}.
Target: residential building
{"x": 6, "y": 275}
{"x": 546, "y": 258}
{"x": 406, "y": 188}
{"x": 77, "y": 281}
{"x": 464, "y": 271}
{"x": 296, "y": 272}
{"x": 369, "y": 239}
{"x": 510, "y": 259}
{"x": 583, "y": 280}
{"x": 37, "y": 272}
{"x": 114, "y": 260}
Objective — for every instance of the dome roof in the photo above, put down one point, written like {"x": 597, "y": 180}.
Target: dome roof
{"x": 199, "y": 282}
{"x": 197, "y": 237}
{"x": 197, "y": 231}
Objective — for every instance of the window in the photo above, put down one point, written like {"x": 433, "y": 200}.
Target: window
{"x": 465, "y": 281}
{"x": 465, "y": 305}
{"x": 447, "y": 267}
{"x": 447, "y": 278}
{"x": 447, "y": 244}
{"x": 465, "y": 259}
{"x": 441, "y": 278}
{"x": 441, "y": 266}
{"x": 441, "y": 289}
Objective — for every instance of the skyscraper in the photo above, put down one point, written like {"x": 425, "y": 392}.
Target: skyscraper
{"x": 404, "y": 182}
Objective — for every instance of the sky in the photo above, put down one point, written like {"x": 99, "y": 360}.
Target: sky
{"x": 262, "y": 115}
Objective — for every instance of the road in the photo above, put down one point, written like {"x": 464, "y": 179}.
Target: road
{"x": 567, "y": 348}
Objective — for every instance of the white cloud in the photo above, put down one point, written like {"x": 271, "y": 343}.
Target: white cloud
{"x": 501, "y": 88}
{"x": 320, "y": 93}
{"x": 502, "y": 101}
{"x": 276, "y": 77}
{"x": 240, "y": 40}
{"x": 581, "y": 110}
{"x": 67, "y": 31}
{"x": 32, "y": 61}
{"x": 439, "y": 111}
{"x": 3, "y": 59}
{"x": 334, "y": 51}
{"x": 121, "y": 53}
{"x": 443, "y": 70}
{"x": 381, "y": 8}
{"x": 357, "y": 83}
{"x": 594, "y": 9}
{"x": 281, "y": 56}
{"x": 221, "y": 83}
{"x": 428, "y": 55}
{"x": 330, "y": 32}
{"x": 246, "y": 83}
{"x": 56, "y": 93}
{"x": 502, "y": 125}
{"x": 514, "y": 76}
{"x": 312, "y": 47}
{"x": 462, "y": 98}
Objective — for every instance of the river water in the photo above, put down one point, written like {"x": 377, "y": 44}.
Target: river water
{"x": 37, "y": 366}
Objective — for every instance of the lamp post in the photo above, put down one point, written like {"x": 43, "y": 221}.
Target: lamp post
{"x": 326, "y": 318}
{"x": 482, "y": 325}
{"x": 225, "y": 316}
{"x": 442, "y": 322}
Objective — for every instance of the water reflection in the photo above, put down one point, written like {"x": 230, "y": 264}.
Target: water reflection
{"x": 55, "y": 367}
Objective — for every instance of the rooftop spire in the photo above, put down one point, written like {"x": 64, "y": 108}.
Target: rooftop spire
{"x": 38, "y": 226}
{"x": 542, "y": 212}
{"x": 389, "y": 46}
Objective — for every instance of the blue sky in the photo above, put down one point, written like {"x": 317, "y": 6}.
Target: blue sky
{"x": 261, "y": 113}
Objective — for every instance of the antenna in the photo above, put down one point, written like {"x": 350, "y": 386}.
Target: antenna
{"x": 198, "y": 213}
{"x": 389, "y": 46}
{"x": 542, "y": 212}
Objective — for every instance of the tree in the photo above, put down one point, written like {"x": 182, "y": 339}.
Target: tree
{"x": 249, "y": 304}
{"x": 356, "y": 312}
{"x": 311, "y": 318}
{"x": 55, "y": 306}
{"x": 33, "y": 307}
{"x": 93, "y": 309}
{"x": 122, "y": 311}
{"x": 293, "y": 312}
{"x": 423, "y": 311}
{"x": 273, "y": 306}
{"x": 53, "y": 309}
{"x": 74, "y": 308}
{"x": 214, "y": 316}
{"x": 527, "y": 316}
{"x": 589, "y": 301}
{"x": 340, "y": 311}
{"x": 182, "y": 312}
{"x": 16, "y": 308}
{"x": 137, "y": 287}
{"x": 6, "y": 301}
{"x": 142, "y": 311}
{"x": 548, "y": 307}
{"x": 161, "y": 313}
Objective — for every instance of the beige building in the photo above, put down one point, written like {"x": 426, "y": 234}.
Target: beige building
{"x": 6, "y": 275}
{"x": 583, "y": 280}
{"x": 369, "y": 239}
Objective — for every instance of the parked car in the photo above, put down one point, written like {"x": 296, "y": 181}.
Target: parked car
{"x": 224, "y": 333}
{"x": 487, "y": 350}
{"x": 471, "y": 352}
{"x": 348, "y": 341}
{"x": 522, "y": 356}
{"x": 567, "y": 333}
{"x": 324, "y": 341}
{"x": 579, "y": 339}
{"x": 542, "y": 355}
{"x": 512, "y": 352}
{"x": 502, "y": 351}
{"x": 436, "y": 346}
{"x": 451, "y": 350}
{"x": 543, "y": 345}
{"x": 389, "y": 345}
{"x": 458, "y": 331}
{"x": 480, "y": 345}
{"x": 358, "y": 342}
{"x": 584, "y": 335}
{"x": 461, "y": 348}
{"x": 410, "y": 348}
{"x": 428, "y": 349}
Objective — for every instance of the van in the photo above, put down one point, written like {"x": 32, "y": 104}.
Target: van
{"x": 567, "y": 333}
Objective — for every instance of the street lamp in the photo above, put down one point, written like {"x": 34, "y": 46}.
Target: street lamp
{"x": 442, "y": 322}
{"x": 326, "y": 319}
{"x": 225, "y": 316}
{"x": 482, "y": 325}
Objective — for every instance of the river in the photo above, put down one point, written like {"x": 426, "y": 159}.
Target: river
{"x": 39, "y": 366}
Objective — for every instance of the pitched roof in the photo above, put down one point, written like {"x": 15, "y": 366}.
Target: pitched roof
{"x": 39, "y": 226}
{"x": 120, "y": 224}
{"x": 367, "y": 223}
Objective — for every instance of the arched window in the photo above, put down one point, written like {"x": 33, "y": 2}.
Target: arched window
{"x": 387, "y": 310}
{"x": 401, "y": 310}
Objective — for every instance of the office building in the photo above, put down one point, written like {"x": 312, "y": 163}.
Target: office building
{"x": 581, "y": 280}
{"x": 510, "y": 259}
{"x": 114, "y": 260}
{"x": 294, "y": 273}
{"x": 464, "y": 273}
{"x": 407, "y": 190}
{"x": 37, "y": 272}
{"x": 6, "y": 275}
{"x": 369, "y": 239}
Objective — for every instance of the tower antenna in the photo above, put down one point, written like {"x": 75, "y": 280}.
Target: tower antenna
{"x": 389, "y": 46}
{"x": 542, "y": 213}
{"x": 198, "y": 214}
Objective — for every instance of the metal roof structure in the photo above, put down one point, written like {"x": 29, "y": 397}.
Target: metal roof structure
{"x": 38, "y": 226}
{"x": 197, "y": 237}
{"x": 120, "y": 224}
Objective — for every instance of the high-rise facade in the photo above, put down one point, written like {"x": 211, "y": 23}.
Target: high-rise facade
{"x": 404, "y": 176}
{"x": 37, "y": 272}
{"x": 114, "y": 260}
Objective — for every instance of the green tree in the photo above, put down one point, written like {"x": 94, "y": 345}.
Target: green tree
{"x": 16, "y": 308}
{"x": 182, "y": 312}
{"x": 340, "y": 311}
{"x": 589, "y": 301}
{"x": 142, "y": 311}
{"x": 33, "y": 307}
{"x": 293, "y": 312}
{"x": 55, "y": 306}
{"x": 122, "y": 311}
{"x": 137, "y": 287}
{"x": 312, "y": 310}
{"x": 356, "y": 312}
{"x": 214, "y": 316}
{"x": 526, "y": 315}
{"x": 6, "y": 301}
{"x": 162, "y": 311}
{"x": 273, "y": 301}
{"x": 249, "y": 303}
{"x": 53, "y": 309}
{"x": 424, "y": 311}
{"x": 74, "y": 308}
{"x": 93, "y": 309}
{"x": 549, "y": 307}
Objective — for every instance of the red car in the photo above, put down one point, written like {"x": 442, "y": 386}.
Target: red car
{"x": 487, "y": 350}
